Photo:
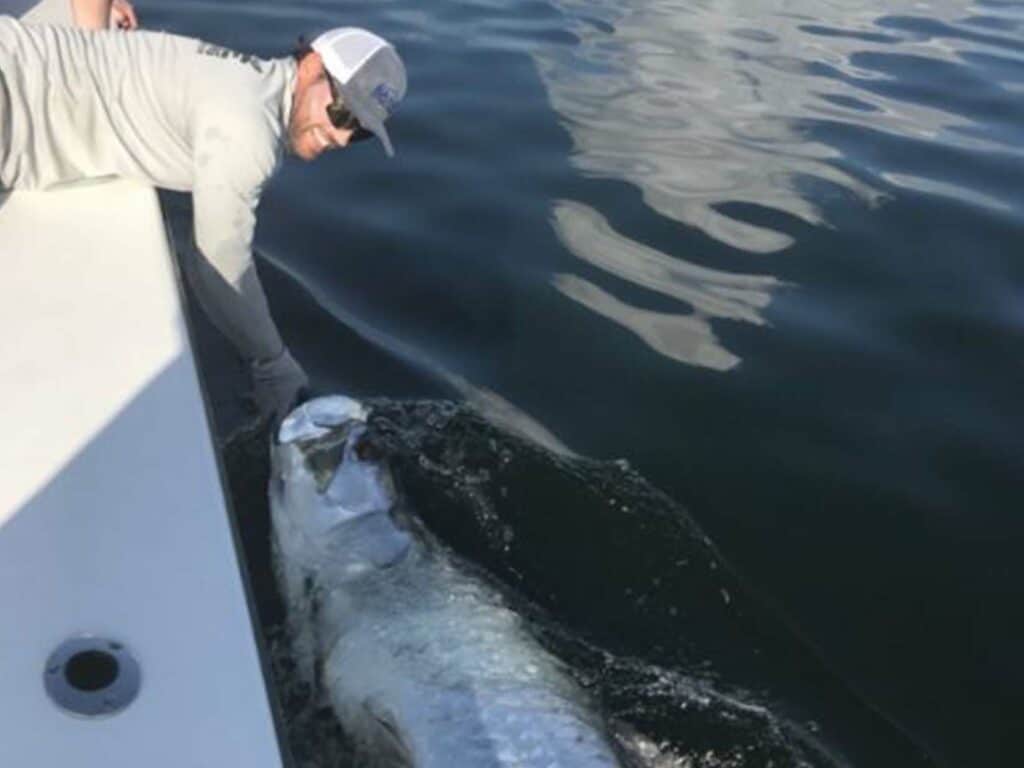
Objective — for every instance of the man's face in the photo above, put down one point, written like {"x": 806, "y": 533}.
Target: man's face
{"x": 310, "y": 131}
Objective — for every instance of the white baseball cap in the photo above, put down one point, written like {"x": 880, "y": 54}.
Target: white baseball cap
{"x": 369, "y": 74}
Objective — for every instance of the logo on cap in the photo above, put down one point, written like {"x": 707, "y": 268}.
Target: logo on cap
{"x": 386, "y": 96}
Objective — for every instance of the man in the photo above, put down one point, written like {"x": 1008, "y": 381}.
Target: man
{"x": 182, "y": 114}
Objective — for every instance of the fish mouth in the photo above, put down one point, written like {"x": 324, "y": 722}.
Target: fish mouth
{"x": 327, "y": 437}
{"x": 320, "y": 418}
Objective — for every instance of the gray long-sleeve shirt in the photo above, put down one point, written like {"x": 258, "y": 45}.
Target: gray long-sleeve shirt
{"x": 171, "y": 111}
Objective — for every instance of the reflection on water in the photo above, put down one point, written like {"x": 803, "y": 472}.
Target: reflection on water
{"x": 687, "y": 338}
{"x": 947, "y": 189}
{"x": 700, "y": 103}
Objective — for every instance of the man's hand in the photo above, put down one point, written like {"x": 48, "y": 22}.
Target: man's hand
{"x": 122, "y": 15}
{"x": 104, "y": 14}
{"x": 276, "y": 386}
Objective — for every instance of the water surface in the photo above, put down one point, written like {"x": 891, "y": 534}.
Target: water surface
{"x": 766, "y": 252}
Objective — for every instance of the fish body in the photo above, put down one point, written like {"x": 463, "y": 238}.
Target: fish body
{"x": 422, "y": 661}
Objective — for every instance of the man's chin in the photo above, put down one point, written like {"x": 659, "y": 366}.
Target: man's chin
{"x": 303, "y": 148}
{"x": 305, "y": 152}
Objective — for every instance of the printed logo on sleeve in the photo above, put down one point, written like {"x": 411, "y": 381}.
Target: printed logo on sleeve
{"x": 209, "y": 49}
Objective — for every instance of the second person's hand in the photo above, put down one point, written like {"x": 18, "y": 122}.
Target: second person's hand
{"x": 122, "y": 15}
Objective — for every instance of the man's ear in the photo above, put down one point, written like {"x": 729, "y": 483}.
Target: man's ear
{"x": 310, "y": 67}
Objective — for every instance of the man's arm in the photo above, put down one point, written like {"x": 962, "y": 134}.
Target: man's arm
{"x": 234, "y": 159}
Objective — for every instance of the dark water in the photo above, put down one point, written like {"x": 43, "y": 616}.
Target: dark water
{"x": 769, "y": 253}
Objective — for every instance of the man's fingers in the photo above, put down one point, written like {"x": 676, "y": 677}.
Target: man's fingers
{"x": 129, "y": 20}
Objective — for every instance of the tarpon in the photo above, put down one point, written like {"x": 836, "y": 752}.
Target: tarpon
{"x": 421, "y": 659}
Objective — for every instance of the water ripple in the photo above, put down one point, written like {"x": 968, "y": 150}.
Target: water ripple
{"x": 700, "y": 103}
{"x": 710, "y": 293}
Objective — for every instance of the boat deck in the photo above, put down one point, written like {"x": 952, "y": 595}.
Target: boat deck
{"x": 113, "y": 520}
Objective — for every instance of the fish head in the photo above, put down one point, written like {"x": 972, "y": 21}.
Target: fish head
{"x": 330, "y": 495}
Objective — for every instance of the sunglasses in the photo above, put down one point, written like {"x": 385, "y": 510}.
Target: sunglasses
{"x": 341, "y": 117}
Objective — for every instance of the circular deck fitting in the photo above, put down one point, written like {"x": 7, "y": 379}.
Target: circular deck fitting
{"x": 91, "y": 676}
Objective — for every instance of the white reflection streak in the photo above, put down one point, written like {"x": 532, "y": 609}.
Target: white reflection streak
{"x": 944, "y": 189}
{"x": 685, "y": 338}
{"x": 711, "y": 293}
{"x": 719, "y": 294}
